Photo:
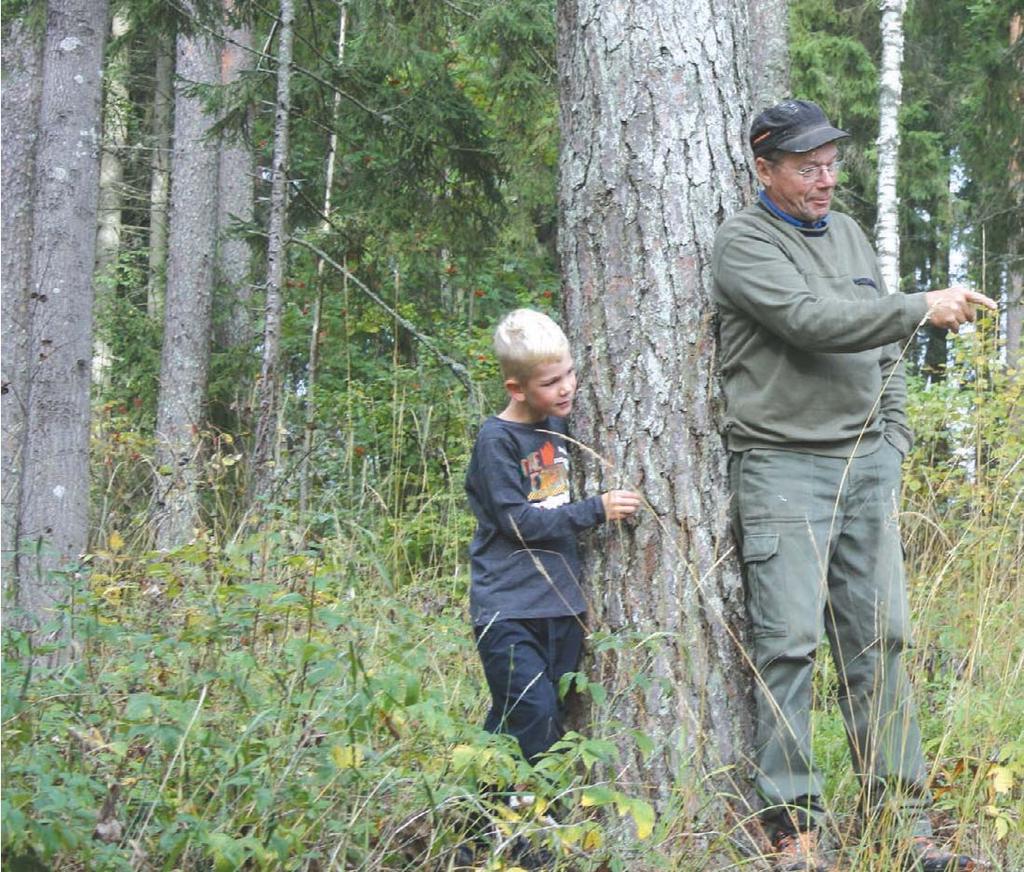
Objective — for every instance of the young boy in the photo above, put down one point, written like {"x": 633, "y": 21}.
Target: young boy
{"x": 526, "y": 603}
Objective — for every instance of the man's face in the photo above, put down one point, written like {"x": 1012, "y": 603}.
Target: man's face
{"x": 807, "y": 197}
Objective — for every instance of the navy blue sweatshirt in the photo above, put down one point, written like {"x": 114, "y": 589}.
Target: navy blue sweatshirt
{"x": 523, "y": 557}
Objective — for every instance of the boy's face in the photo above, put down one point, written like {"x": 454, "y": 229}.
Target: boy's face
{"x": 549, "y": 389}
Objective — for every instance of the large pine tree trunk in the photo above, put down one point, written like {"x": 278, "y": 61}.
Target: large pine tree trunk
{"x": 769, "y": 53}
{"x": 269, "y": 388}
{"x": 185, "y": 355}
{"x": 653, "y": 115}
{"x": 890, "y": 95}
{"x": 55, "y": 476}
{"x": 22, "y": 65}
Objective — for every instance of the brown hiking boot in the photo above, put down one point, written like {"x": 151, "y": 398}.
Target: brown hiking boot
{"x": 926, "y": 856}
{"x": 799, "y": 852}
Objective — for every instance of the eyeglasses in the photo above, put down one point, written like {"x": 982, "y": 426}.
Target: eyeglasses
{"x": 815, "y": 170}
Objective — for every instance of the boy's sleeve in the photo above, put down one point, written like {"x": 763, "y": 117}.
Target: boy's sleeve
{"x": 499, "y": 488}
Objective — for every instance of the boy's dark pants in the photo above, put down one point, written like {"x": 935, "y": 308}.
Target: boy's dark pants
{"x": 822, "y": 555}
{"x": 524, "y": 659}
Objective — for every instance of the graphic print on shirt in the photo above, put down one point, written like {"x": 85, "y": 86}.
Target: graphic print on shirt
{"x": 547, "y": 470}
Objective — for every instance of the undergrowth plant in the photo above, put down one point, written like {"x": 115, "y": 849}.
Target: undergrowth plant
{"x": 302, "y": 693}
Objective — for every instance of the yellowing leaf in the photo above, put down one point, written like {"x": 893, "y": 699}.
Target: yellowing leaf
{"x": 1002, "y": 828}
{"x": 463, "y": 756}
{"x": 568, "y": 835}
{"x": 643, "y": 816}
{"x": 1002, "y": 778}
{"x": 115, "y": 541}
{"x": 596, "y": 796}
{"x": 592, "y": 840}
{"x": 347, "y": 756}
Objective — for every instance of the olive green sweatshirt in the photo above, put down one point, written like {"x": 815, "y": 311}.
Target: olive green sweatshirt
{"x": 810, "y": 341}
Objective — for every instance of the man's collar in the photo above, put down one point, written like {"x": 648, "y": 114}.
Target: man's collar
{"x": 821, "y": 224}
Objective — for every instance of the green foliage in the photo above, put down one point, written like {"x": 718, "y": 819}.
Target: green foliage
{"x": 833, "y": 61}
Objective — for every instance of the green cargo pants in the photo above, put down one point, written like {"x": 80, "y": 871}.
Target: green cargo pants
{"x": 822, "y": 554}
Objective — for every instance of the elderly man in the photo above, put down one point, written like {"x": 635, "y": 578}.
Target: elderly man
{"x": 811, "y": 355}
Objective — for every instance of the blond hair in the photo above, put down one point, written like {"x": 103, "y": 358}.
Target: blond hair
{"x": 526, "y": 338}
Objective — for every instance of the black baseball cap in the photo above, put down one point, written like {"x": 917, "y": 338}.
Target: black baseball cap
{"x": 793, "y": 125}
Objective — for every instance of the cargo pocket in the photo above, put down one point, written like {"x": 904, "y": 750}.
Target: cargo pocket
{"x": 759, "y": 569}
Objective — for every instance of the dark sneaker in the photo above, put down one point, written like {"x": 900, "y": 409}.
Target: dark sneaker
{"x": 527, "y": 855}
{"x": 799, "y": 852}
{"x": 926, "y": 856}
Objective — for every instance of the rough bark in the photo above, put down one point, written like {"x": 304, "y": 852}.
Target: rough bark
{"x": 269, "y": 387}
{"x": 160, "y": 173}
{"x": 890, "y": 95}
{"x": 115, "y": 141}
{"x": 653, "y": 114}
{"x": 234, "y": 256}
{"x": 185, "y": 355}
{"x": 22, "y": 65}
{"x": 769, "y": 52}
{"x": 55, "y": 475}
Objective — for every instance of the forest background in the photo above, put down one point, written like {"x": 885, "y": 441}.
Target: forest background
{"x": 282, "y": 242}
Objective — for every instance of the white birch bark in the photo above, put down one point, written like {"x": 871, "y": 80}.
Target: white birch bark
{"x": 890, "y": 93}
{"x": 115, "y": 142}
{"x": 160, "y": 174}
{"x": 1014, "y": 305}
{"x": 269, "y": 388}
{"x": 54, "y": 504}
{"x": 653, "y": 117}
{"x": 19, "y": 95}
{"x": 185, "y": 354}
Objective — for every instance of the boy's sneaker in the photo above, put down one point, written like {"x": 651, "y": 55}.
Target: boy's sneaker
{"x": 799, "y": 852}
{"x": 527, "y": 855}
{"x": 926, "y": 856}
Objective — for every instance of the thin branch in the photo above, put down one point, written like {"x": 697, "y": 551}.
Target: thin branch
{"x": 458, "y": 369}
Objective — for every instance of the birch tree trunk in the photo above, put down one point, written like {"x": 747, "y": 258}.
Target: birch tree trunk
{"x": 236, "y": 202}
{"x": 22, "y": 66}
{"x": 890, "y": 95}
{"x": 1014, "y": 305}
{"x": 160, "y": 174}
{"x": 653, "y": 119}
{"x": 769, "y": 53}
{"x": 269, "y": 387}
{"x": 54, "y": 501}
{"x": 309, "y": 435}
{"x": 115, "y": 141}
{"x": 185, "y": 355}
